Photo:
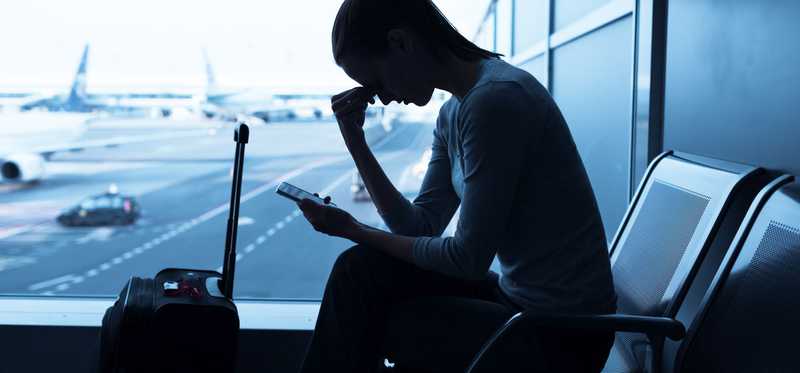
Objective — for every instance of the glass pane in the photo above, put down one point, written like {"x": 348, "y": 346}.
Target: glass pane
{"x": 87, "y": 204}
{"x": 592, "y": 84}
{"x": 485, "y": 36}
{"x": 504, "y": 29}
{"x": 567, "y": 11}
{"x": 538, "y": 68}
{"x": 103, "y": 202}
{"x": 145, "y": 96}
{"x": 531, "y": 22}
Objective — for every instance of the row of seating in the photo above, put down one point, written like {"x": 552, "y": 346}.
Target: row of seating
{"x": 706, "y": 266}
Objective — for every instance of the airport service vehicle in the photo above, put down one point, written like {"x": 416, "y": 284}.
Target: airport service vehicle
{"x": 102, "y": 209}
{"x": 359, "y": 190}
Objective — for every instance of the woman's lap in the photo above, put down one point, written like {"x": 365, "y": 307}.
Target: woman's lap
{"x": 431, "y": 319}
{"x": 441, "y": 333}
{"x": 377, "y": 306}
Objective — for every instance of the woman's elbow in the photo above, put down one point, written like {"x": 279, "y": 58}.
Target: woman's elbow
{"x": 472, "y": 265}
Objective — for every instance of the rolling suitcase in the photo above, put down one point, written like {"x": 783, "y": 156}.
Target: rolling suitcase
{"x": 183, "y": 320}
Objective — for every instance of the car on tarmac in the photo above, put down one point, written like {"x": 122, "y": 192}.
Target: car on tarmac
{"x": 102, "y": 209}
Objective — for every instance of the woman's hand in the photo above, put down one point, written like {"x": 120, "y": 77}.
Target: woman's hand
{"x": 350, "y": 109}
{"x": 327, "y": 219}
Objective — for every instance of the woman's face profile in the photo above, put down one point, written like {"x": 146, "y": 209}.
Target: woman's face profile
{"x": 399, "y": 74}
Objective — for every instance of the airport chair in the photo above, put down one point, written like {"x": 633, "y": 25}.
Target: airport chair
{"x": 749, "y": 319}
{"x": 673, "y": 221}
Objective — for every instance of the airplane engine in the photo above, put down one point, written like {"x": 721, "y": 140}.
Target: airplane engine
{"x": 22, "y": 167}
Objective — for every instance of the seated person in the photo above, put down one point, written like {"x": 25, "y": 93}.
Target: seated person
{"x": 503, "y": 153}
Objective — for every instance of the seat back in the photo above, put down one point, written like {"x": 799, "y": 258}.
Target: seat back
{"x": 749, "y": 319}
{"x": 668, "y": 228}
{"x": 670, "y": 223}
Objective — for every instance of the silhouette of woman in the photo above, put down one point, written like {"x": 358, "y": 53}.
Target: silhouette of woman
{"x": 503, "y": 153}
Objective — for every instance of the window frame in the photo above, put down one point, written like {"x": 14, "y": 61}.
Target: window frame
{"x": 298, "y": 315}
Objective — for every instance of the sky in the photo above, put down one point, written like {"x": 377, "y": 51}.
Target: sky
{"x": 158, "y": 45}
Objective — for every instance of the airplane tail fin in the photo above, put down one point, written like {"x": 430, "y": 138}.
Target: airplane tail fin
{"x": 77, "y": 92}
{"x": 211, "y": 80}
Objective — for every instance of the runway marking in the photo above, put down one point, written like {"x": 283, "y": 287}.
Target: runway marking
{"x": 9, "y": 262}
{"x": 104, "y": 235}
{"x": 9, "y": 232}
{"x": 99, "y": 234}
{"x": 52, "y": 282}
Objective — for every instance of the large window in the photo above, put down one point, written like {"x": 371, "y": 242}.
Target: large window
{"x": 116, "y": 142}
{"x": 531, "y": 23}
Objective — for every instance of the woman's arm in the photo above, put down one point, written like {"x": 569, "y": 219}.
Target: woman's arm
{"x": 337, "y": 222}
{"x": 349, "y": 108}
{"x": 436, "y": 203}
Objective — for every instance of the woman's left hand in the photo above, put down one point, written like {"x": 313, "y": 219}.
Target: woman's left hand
{"x": 328, "y": 219}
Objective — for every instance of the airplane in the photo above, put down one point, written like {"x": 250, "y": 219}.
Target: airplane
{"x": 28, "y": 140}
{"x": 79, "y": 100}
{"x": 268, "y": 105}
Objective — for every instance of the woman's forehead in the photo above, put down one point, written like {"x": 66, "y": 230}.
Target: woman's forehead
{"x": 360, "y": 69}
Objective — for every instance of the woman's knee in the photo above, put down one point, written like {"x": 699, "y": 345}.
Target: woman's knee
{"x": 360, "y": 258}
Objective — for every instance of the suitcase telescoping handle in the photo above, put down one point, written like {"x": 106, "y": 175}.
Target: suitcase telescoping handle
{"x": 241, "y": 135}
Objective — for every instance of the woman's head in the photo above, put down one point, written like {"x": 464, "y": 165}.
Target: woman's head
{"x": 393, "y": 45}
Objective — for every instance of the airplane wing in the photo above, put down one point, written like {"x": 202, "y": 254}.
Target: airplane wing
{"x": 115, "y": 141}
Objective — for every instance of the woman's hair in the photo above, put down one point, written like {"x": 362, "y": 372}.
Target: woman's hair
{"x": 363, "y": 25}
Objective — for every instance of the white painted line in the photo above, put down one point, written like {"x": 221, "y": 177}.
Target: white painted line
{"x": 49, "y": 283}
{"x": 6, "y": 233}
{"x": 272, "y": 184}
{"x": 297, "y": 213}
{"x": 77, "y": 280}
{"x": 260, "y": 240}
{"x": 138, "y": 250}
{"x": 47, "y": 293}
{"x": 92, "y": 273}
{"x": 202, "y": 218}
{"x": 249, "y": 248}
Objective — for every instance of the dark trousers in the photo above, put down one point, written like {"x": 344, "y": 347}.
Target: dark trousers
{"x": 377, "y": 307}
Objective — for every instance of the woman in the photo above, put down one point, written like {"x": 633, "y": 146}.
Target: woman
{"x": 503, "y": 153}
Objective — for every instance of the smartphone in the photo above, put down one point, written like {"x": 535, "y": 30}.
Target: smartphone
{"x": 296, "y": 194}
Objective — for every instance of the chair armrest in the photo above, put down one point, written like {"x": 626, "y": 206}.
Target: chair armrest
{"x": 650, "y": 325}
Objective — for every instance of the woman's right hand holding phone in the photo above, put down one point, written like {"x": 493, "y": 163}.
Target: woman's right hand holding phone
{"x": 350, "y": 107}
